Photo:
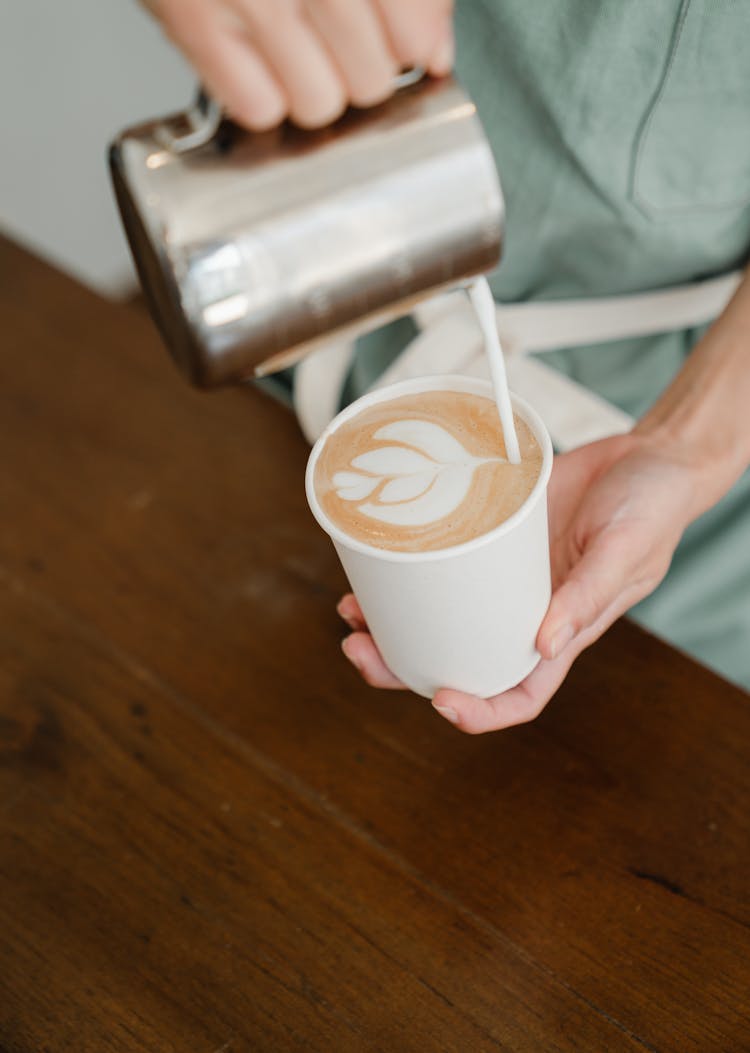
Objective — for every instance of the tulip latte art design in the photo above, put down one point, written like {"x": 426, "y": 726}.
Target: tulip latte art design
{"x": 424, "y": 472}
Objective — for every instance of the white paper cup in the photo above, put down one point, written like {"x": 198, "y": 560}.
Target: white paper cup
{"x": 464, "y": 617}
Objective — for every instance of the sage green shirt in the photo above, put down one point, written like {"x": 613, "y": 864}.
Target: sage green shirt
{"x": 621, "y": 131}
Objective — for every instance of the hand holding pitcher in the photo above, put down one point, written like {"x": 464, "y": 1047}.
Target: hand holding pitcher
{"x": 306, "y": 59}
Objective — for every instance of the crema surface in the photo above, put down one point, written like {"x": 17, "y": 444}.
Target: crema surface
{"x": 424, "y": 472}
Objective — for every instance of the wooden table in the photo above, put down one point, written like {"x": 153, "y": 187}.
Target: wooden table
{"x": 214, "y": 837}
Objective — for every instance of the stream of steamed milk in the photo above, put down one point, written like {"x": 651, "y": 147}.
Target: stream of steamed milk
{"x": 484, "y": 305}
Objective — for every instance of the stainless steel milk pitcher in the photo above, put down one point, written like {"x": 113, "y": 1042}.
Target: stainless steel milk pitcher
{"x": 253, "y": 249}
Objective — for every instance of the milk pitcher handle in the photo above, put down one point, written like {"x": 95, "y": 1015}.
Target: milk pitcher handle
{"x": 203, "y": 120}
{"x": 205, "y": 116}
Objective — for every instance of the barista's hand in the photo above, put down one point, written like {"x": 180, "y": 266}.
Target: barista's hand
{"x": 307, "y": 59}
{"x": 617, "y": 511}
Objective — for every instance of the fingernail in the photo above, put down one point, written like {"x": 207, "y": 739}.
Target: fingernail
{"x": 447, "y": 712}
{"x": 561, "y": 639}
{"x": 352, "y": 659}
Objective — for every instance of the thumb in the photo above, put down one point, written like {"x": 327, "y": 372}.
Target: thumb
{"x": 606, "y": 572}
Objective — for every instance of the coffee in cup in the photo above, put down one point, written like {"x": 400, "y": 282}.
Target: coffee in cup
{"x": 456, "y": 600}
{"x": 424, "y": 472}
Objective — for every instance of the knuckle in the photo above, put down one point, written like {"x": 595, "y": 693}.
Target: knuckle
{"x": 537, "y": 709}
{"x": 532, "y": 709}
{"x": 530, "y": 715}
{"x": 480, "y": 721}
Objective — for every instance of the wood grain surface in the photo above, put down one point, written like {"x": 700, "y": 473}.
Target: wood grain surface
{"x": 214, "y": 838}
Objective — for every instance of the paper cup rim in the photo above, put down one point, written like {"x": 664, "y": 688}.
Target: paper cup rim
{"x": 418, "y": 385}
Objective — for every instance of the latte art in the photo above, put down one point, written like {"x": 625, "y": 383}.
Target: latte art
{"x": 424, "y": 472}
{"x": 421, "y": 475}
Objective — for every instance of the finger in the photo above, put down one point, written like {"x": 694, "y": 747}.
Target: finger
{"x": 523, "y": 703}
{"x": 416, "y": 29}
{"x": 526, "y": 701}
{"x": 443, "y": 56}
{"x": 351, "y": 612}
{"x": 361, "y": 651}
{"x": 232, "y": 70}
{"x": 605, "y": 573}
{"x": 357, "y": 44}
{"x": 517, "y": 706}
{"x": 570, "y": 478}
{"x": 315, "y": 92}
{"x": 477, "y": 715}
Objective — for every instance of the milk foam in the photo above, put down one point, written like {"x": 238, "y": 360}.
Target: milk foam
{"x": 424, "y": 472}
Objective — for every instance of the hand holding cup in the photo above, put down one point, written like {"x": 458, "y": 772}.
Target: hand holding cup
{"x": 617, "y": 511}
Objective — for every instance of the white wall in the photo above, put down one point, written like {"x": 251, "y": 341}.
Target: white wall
{"x": 72, "y": 73}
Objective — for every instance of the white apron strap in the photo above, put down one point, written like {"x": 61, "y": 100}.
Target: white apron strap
{"x": 450, "y": 342}
{"x": 318, "y": 381}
